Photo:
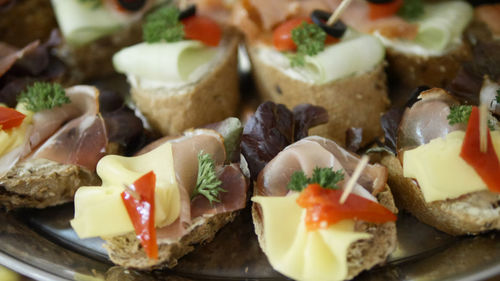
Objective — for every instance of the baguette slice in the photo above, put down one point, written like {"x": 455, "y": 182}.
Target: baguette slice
{"x": 126, "y": 250}
{"x": 213, "y": 98}
{"x": 40, "y": 183}
{"x": 355, "y": 101}
{"x": 408, "y": 72}
{"x": 362, "y": 254}
{"x": 95, "y": 59}
{"x": 469, "y": 214}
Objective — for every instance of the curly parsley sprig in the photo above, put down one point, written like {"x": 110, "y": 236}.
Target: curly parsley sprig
{"x": 207, "y": 183}
{"x": 325, "y": 177}
{"x": 461, "y": 113}
{"x": 411, "y": 9}
{"x": 163, "y": 25}
{"x": 310, "y": 40}
{"x": 43, "y": 95}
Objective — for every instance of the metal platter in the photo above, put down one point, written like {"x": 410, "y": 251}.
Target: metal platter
{"x": 41, "y": 245}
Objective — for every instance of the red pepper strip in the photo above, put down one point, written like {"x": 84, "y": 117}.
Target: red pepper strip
{"x": 323, "y": 208}
{"x": 486, "y": 164}
{"x": 384, "y": 10}
{"x": 203, "y": 29}
{"x": 10, "y": 118}
{"x": 142, "y": 212}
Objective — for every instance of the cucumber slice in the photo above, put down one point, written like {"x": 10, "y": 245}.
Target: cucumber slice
{"x": 166, "y": 62}
{"x": 82, "y": 23}
{"x": 352, "y": 56}
{"x": 442, "y": 24}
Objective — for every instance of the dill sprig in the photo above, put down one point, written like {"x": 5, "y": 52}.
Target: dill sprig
{"x": 207, "y": 183}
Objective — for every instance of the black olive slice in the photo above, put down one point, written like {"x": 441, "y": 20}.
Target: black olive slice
{"x": 320, "y": 17}
{"x": 380, "y": 1}
{"x": 132, "y": 5}
{"x": 188, "y": 12}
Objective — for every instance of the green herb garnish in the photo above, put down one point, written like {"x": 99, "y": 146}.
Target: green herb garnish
{"x": 310, "y": 40}
{"x": 325, "y": 177}
{"x": 411, "y": 9}
{"x": 43, "y": 95}
{"x": 207, "y": 183}
{"x": 163, "y": 25}
{"x": 93, "y": 4}
{"x": 498, "y": 96}
{"x": 461, "y": 113}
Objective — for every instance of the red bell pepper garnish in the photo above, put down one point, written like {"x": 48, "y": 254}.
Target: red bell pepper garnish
{"x": 323, "y": 208}
{"x": 282, "y": 35}
{"x": 203, "y": 29}
{"x": 384, "y": 10}
{"x": 142, "y": 212}
{"x": 486, "y": 164}
{"x": 10, "y": 118}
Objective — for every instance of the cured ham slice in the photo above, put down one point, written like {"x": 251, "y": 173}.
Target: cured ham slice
{"x": 9, "y": 55}
{"x": 312, "y": 152}
{"x": 426, "y": 119}
{"x": 185, "y": 151}
{"x": 81, "y": 141}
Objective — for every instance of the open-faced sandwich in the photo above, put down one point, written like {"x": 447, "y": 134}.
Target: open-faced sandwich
{"x": 185, "y": 73}
{"x": 179, "y": 191}
{"x": 306, "y": 228}
{"x": 424, "y": 39}
{"x": 297, "y": 58}
{"x": 440, "y": 173}
{"x": 49, "y": 145}
{"x": 93, "y": 30}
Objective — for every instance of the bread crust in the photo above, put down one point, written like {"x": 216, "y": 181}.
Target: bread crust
{"x": 40, "y": 183}
{"x": 408, "y": 71}
{"x": 357, "y": 101}
{"x": 94, "y": 60}
{"x": 469, "y": 214}
{"x": 214, "y": 98}
{"x": 362, "y": 254}
{"x": 126, "y": 250}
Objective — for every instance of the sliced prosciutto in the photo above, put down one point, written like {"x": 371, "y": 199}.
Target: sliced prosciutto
{"x": 427, "y": 119}
{"x": 185, "y": 151}
{"x": 81, "y": 140}
{"x": 312, "y": 152}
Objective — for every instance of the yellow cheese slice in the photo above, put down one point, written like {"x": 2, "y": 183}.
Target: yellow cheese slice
{"x": 440, "y": 171}
{"x": 99, "y": 210}
{"x": 301, "y": 254}
{"x": 14, "y": 137}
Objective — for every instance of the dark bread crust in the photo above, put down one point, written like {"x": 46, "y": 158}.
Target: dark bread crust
{"x": 410, "y": 71}
{"x": 469, "y": 214}
{"x": 95, "y": 59}
{"x": 362, "y": 254}
{"x": 214, "y": 98}
{"x": 126, "y": 250}
{"x": 355, "y": 101}
{"x": 40, "y": 183}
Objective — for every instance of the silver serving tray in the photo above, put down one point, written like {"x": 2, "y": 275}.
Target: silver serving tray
{"x": 41, "y": 244}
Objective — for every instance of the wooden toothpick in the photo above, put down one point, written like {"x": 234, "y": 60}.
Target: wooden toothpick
{"x": 483, "y": 127}
{"x": 354, "y": 178}
{"x": 336, "y": 14}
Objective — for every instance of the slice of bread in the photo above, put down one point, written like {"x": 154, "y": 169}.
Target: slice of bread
{"x": 213, "y": 98}
{"x": 95, "y": 59}
{"x": 354, "y": 101}
{"x": 408, "y": 72}
{"x": 126, "y": 250}
{"x": 40, "y": 183}
{"x": 469, "y": 214}
{"x": 362, "y": 254}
